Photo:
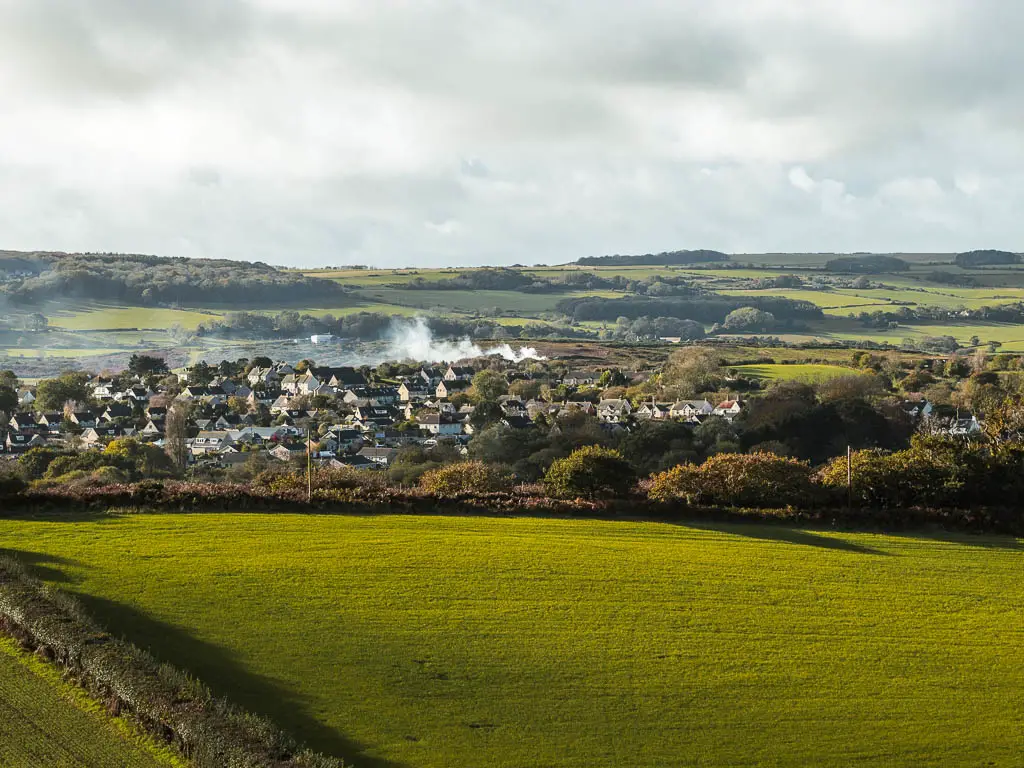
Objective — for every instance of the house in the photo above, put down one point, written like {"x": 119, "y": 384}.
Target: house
{"x": 101, "y": 435}
{"x": 193, "y": 392}
{"x": 691, "y": 410}
{"x": 458, "y": 373}
{"x": 516, "y": 421}
{"x": 581, "y": 378}
{"x": 210, "y": 442}
{"x": 439, "y": 423}
{"x": 134, "y": 395}
{"x": 84, "y": 419}
{"x": 264, "y": 376}
{"x": 117, "y": 411}
{"x": 287, "y": 453}
{"x": 964, "y": 425}
{"x": 19, "y": 442}
{"x": 372, "y": 416}
{"x": 728, "y": 409}
{"x": 371, "y": 395}
{"x": 156, "y": 412}
{"x": 49, "y": 422}
{"x": 382, "y": 456}
{"x": 228, "y": 421}
{"x": 430, "y": 376}
{"x": 917, "y": 409}
{"x": 342, "y": 440}
{"x": 26, "y": 397}
{"x": 341, "y": 377}
{"x": 22, "y": 422}
{"x": 354, "y": 462}
{"x": 450, "y": 387}
{"x": 614, "y": 411}
{"x": 413, "y": 391}
{"x": 154, "y": 428}
{"x": 103, "y": 389}
{"x": 654, "y": 411}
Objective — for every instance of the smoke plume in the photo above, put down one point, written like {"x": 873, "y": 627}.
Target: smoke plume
{"x": 413, "y": 339}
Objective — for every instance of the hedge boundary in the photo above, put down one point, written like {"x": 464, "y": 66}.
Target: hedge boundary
{"x": 190, "y": 497}
{"x": 173, "y": 707}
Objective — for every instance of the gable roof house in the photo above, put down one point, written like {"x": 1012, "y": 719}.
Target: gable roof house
{"x": 728, "y": 409}
{"x": 614, "y": 411}
{"x": 211, "y": 442}
{"x": 382, "y": 456}
{"x": 690, "y": 410}
{"x": 458, "y": 373}
{"x": 655, "y": 411}
{"x": 117, "y": 411}
{"x": 263, "y": 376}
{"x": 439, "y": 423}
{"x": 101, "y": 435}
{"x": 450, "y": 387}
{"x": 22, "y": 422}
{"x": 414, "y": 391}
{"x": 84, "y": 419}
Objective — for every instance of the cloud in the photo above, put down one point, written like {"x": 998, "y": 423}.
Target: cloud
{"x": 449, "y": 132}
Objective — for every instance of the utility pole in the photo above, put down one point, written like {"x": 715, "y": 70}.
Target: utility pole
{"x": 849, "y": 479}
{"x": 309, "y": 469}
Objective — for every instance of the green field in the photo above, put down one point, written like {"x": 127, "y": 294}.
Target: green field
{"x": 47, "y": 722}
{"x": 809, "y": 373}
{"x": 433, "y": 641}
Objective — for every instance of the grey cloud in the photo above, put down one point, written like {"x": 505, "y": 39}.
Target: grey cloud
{"x": 458, "y": 132}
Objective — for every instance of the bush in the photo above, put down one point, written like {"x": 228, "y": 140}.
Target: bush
{"x": 10, "y": 485}
{"x": 739, "y": 480}
{"x": 591, "y": 472}
{"x": 466, "y": 477}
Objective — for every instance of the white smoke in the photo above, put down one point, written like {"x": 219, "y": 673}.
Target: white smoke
{"x": 413, "y": 340}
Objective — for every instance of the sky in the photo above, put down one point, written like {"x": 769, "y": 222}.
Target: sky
{"x": 458, "y": 132}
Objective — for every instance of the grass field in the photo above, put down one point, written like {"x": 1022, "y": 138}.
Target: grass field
{"x": 807, "y": 373}
{"x": 47, "y": 722}
{"x": 103, "y": 317}
{"x": 419, "y": 641}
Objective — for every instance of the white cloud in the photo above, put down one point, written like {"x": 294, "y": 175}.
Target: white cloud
{"x": 311, "y": 132}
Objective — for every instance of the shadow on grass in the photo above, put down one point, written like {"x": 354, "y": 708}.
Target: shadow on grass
{"x": 227, "y": 677}
{"x": 44, "y": 566}
{"x": 784, "y": 534}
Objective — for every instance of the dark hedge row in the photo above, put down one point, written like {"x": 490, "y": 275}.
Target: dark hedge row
{"x": 290, "y": 497}
{"x": 176, "y": 709}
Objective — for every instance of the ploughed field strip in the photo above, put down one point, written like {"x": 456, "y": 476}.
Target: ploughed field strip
{"x": 440, "y": 641}
{"x": 43, "y": 723}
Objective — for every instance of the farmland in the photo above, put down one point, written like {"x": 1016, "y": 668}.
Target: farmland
{"x": 433, "y": 641}
{"x": 44, "y": 721}
{"x": 94, "y": 334}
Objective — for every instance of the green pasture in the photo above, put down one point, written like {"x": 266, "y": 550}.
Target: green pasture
{"x": 505, "y": 302}
{"x": 69, "y": 353}
{"x": 515, "y": 642}
{"x": 47, "y": 722}
{"x": 100, "y": 317}
{"x": 809, "y": 373}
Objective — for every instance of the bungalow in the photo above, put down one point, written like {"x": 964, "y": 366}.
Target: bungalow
{"x": 450, "y": 387}
{"x": 50, "y": 422}
{"x": 382, "y": 456}
{"x": 154, "y": 428}
{"x": 354, "y": 462}
{"x": 917, "y": 409}
{"x": 613, "y": 411}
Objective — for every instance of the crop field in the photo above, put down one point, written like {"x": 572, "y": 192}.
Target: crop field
{"x": 433, "y": 641}
{"x": 46, "y": 722}
{"x": 104, "y": 317}
{"x": 806, "y": 373}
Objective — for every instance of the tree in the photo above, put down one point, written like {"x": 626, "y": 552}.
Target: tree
{"x": 201, "y": 374}
{"x": 139, "y": 459}
{"x": 749, "y": 319}
{"x": 590, "y": 472}
{"x": 690, "y": 371}
{"x": 52, "y": 394}
{"x": 176, "y": 435}
{"x": 525, "y": 389}
{"x": 489, "y": 385}
{"x": 8, "y": 379}
{"x": 8, "y": 400}
{"x": 144, "y": 366}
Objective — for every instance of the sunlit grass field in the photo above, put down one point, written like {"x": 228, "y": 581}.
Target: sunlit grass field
{"x": 433, "y": 641}
{"x": 808, "y": 373}
{"x": 47, "y": 722}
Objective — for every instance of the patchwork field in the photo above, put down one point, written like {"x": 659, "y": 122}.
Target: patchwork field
{"x": 807, "y": 373}
{"x": 418, "y": 641}
{"x": 46, "y": 722}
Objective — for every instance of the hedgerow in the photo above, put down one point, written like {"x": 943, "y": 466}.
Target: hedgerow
{"x": 466, "y": 477}
{"x": 209, "y": 732}
{"x": 739, "y": 480}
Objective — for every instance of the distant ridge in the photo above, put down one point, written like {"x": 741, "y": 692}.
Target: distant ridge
{"x": 666, "y": 258}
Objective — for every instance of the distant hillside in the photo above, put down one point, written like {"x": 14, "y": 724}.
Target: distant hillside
{"x": 667, "y": 258}
{"x": 154, "y": 280}
{"x": 984, "y": 258}
{"x": 871, "y": 264}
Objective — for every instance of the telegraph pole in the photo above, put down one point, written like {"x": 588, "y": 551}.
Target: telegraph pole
{"x": 849, "y": 479}
{"x": 309, "y": 469}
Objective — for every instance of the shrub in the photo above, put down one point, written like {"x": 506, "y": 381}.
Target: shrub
{"x": 10, "y": 485}
{"x": 590, "y": 472}
{"x": 738, "y": 480}
{"x": 465, "y": 477}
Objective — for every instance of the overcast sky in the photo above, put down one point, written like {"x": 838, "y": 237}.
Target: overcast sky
{"x": 432, "y": 132}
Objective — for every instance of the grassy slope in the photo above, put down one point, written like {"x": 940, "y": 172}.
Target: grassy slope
{"x": 521, "y": 642}
{"x": 809, "y": 372}
{"x": 46, "y": 722}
